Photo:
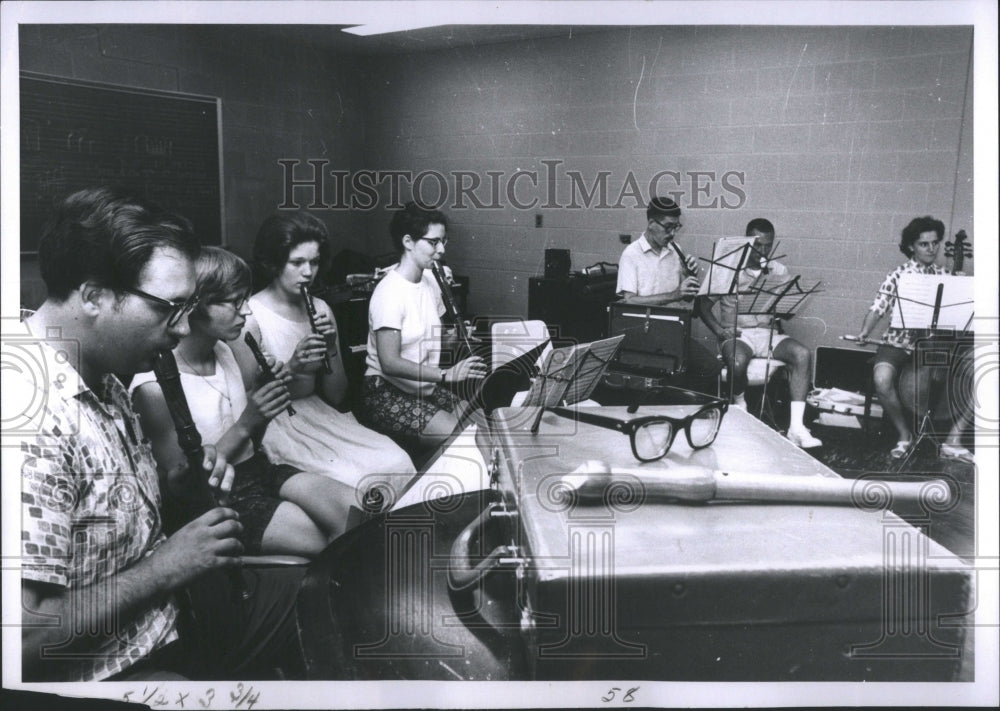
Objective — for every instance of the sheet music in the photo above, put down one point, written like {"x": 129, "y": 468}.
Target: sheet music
{"x": 771, "y": 294}
{"x": 571, "y": 374}
{"x": 916, "y": 296}
{"x": 728, "y": 256}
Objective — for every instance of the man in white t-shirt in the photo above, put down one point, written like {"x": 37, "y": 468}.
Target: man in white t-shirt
{"x": 752, "y": 336}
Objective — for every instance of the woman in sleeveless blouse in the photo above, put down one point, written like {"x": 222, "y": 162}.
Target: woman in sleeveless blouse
{"x": 288, "y": 252}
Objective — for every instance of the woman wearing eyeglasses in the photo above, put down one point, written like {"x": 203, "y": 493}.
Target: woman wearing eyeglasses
{"x": 406, "y": 391}
{"x": 282, "y": 510}
{"x": 288, "y": 253}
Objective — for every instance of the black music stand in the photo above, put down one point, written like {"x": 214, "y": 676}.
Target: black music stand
{"x": 777, "y": 298}
{"x": 730, "y": 256}
{"x": 498, "y": 388}
{"x": 921, "y": 305}
{"x": 570, "y": 374}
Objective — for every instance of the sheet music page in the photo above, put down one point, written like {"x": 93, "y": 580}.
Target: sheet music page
{"x": 916, "y": 296}
{"x": 768, "y": 293}
{"x": 728, "y": 256}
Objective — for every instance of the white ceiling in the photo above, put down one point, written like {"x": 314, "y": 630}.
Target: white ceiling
{"x": 425, "y": 39}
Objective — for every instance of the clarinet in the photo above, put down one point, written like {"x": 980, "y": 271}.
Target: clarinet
{"x": 688, "y": 271}
{"x": 269, "y": 375}
{"x": 311, "y": 310}
{"x": 449, "y": 305}
{"x": 189, "y": 439}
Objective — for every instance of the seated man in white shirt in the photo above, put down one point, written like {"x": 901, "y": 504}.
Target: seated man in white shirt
{"x": 752, "y": 336}
{"x": 653, "y": 271}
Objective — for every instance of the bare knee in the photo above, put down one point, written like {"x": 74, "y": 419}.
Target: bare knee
{"x": 796, "y": 355}
{"x": 440, "y": 426}
{"x": 291, "y": 531}
{"x": 885, "y": 381}
{"x": 324, "y": 500}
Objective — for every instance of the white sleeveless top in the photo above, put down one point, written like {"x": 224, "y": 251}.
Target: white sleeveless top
{"x": 216, "y": 401}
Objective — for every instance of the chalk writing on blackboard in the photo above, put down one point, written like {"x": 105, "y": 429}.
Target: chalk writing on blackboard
{"x": 162, "y": 146}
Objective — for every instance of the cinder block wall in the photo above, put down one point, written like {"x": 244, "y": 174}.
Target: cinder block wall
{"x": 839, "y": 135}
{"x": 280, "y": 99}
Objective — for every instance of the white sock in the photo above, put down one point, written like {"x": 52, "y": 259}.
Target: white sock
{"x": 796, "y": 410}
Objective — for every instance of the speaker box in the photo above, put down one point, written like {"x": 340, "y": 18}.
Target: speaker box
{"x": 557, "y": 263}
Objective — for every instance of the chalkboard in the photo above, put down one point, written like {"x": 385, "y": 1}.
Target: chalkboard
{"x": 162, "y": 146}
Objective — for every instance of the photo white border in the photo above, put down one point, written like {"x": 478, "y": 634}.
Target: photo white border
{"x": 980, "y": 13}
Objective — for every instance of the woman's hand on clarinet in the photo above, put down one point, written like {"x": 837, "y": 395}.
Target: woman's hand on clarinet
{"x": 280, "y": 370}
{"x": 216, "y": 472}
{"x": 324, "y": 325}
{"x": 206, "y": 543}
{"x": 471, "y": 368}
{"x": 308, "y": 355}
{"x": 266, "y": 403}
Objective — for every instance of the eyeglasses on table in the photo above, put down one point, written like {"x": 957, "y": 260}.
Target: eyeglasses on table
{"x": 651, "y": 436}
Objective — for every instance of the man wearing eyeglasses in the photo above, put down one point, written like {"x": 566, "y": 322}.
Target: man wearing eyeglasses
{"x": 100, "y": 580}
{"x": 652, "y": 270}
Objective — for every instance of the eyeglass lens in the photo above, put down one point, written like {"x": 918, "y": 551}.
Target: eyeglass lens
{"x": 179, "y": 311}
{"x": 703, "y": 428}
{"x": 653, "y": 439}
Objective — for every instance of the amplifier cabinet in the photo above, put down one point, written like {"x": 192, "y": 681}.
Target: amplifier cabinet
{"x": 632, "y": 589}
{"x": 574, "y": 306}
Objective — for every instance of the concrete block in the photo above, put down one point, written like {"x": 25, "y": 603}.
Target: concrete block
{"x": 907, "y": 72}
{"x": 742, "y": 82}
{"x": 935, "y": 103}
{"x": 875, "y": 166}
{"x": 785, "y": 80}
{"x": 809, "y": 108}
{"x": 35, "y": 57}
{"x": 844, "y": 76}
{"x": 946, "y": 133}
{"x": 927, "y": 166}
{"x": 879, "y": 42}
{"x": 941, "y": 40}
{"x": 909, "y": 135}
{"x": 833, "y": 137}
{"x": 780, "y": 139}
{"x": 870, "y": 228}
{"x": 888, "y": 197}
{"x": 820, "y": 197}
{"x": 95, "y": 68}
{"x": 825, "y": 167}
{"x": 885, "y": 105}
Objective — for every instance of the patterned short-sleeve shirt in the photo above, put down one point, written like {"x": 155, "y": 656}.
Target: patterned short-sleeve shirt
{"x": 90, "y": 504}
{"x": 885, "y": 300}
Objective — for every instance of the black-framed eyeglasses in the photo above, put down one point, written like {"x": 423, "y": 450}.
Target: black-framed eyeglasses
{"x": 435, "y": 241}
{"x": 178, "y": 309}
{"x": 237, "y": 302}
{"x": 669, "y": 227}
{"x": 651, "y": 436}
